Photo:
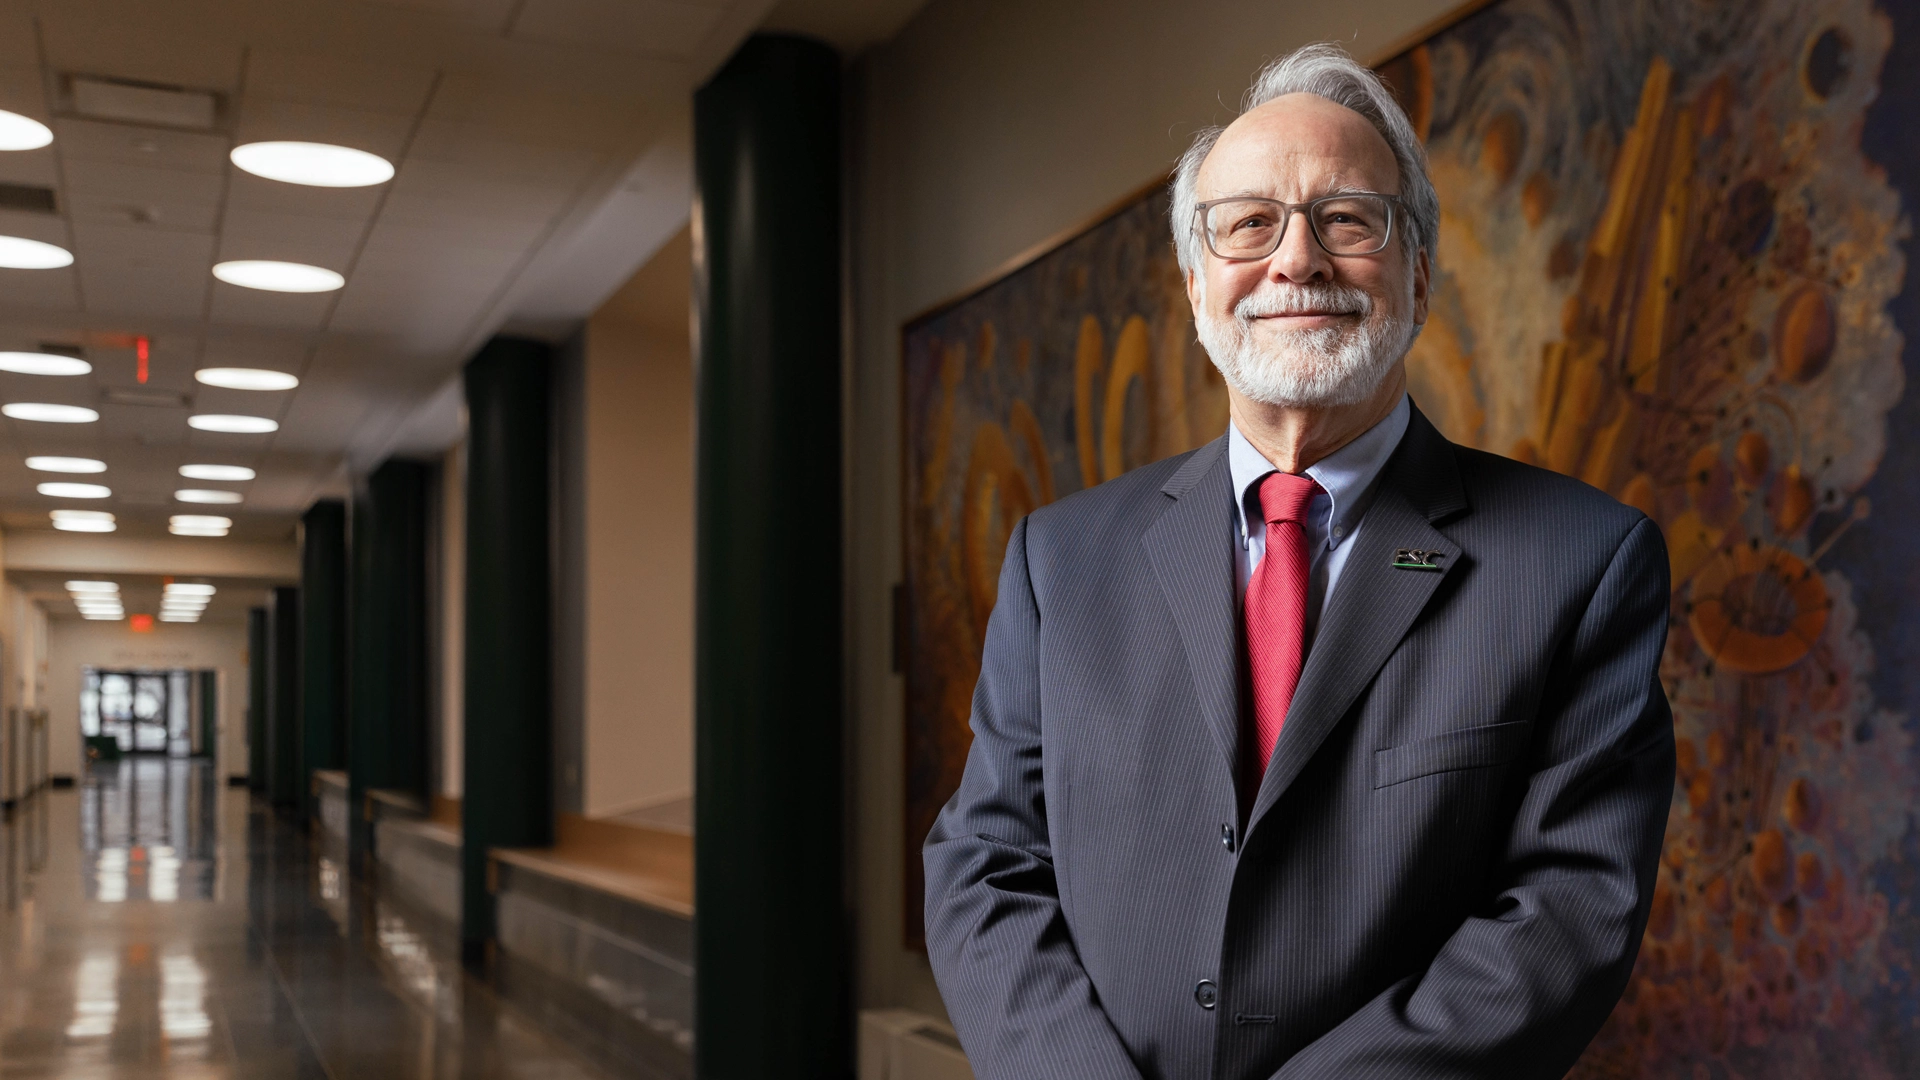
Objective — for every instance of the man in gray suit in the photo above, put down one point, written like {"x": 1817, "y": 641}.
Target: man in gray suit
{"x": 1330, "y": 749}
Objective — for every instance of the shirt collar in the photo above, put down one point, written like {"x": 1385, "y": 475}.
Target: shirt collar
{"x": 1347, "y": 475}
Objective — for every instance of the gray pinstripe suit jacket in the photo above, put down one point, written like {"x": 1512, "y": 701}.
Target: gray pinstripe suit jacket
{"x": 1447, "y": 869}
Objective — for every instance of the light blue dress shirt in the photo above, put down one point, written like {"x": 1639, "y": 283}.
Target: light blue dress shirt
{"x": 1346, "y": 478}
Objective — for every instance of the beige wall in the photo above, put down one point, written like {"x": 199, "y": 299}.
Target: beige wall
{"x": 984, "y": 128}
{"x": 74, "y": 643}
{"x": 638, "y": 542}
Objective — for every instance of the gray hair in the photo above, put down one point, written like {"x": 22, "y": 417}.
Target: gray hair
{"x": 1328, "y": 71}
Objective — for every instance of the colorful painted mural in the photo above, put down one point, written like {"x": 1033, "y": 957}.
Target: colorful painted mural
{"x": 1672, "y": 263}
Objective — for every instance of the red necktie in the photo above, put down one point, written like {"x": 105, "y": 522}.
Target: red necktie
{"x": 1276, "y": 611}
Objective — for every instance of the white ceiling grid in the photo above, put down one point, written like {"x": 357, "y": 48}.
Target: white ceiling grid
{"x": 509, "y": 121}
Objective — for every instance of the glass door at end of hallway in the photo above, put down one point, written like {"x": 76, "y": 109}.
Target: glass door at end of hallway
{"x": 145, "y": 711}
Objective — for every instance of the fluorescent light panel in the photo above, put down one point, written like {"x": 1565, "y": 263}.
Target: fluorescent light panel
{"x": 235, "y": 425}
{"x": 69, "y": 490}
{"x": 207, "y": 496}
{"x": 66, "y": 464}
{"x": 20, "y": 253}
{"x": 23, "y": 132}
{"x": 234, "y": 473}
{"x": 313, "y": 164}
{"x": 33, "y": 363}
{"x": 47, "y": 413}
{"x": 268, "y": 275}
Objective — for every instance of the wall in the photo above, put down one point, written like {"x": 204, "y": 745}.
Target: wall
{"x": 74, "y": 643}
{"x": 637, "y": 542}
{"x": 985, "y": 128}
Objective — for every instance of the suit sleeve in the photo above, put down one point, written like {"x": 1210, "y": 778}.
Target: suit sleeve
{"x": 998, "y": 941}
{"x": 1522, "y": 987}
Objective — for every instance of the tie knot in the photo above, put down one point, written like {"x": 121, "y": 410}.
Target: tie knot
{"x": 1284, "y": 497}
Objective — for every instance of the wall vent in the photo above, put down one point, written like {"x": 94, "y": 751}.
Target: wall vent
{"x": 28, "y": 197}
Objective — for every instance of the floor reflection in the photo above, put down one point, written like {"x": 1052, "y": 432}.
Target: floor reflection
{"x": 157, "y": 923}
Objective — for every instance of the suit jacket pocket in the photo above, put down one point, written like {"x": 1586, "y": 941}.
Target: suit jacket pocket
{"x": 1469, "y": 748}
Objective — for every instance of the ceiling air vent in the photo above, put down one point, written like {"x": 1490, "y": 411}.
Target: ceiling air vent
{"x": 27, "y": 197}
{"x": 143, "y": 103}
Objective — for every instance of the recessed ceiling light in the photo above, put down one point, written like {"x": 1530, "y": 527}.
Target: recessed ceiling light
{"x": 48, "y": 414}
{"x": 34, "y": 363}
{"x": 20, "y": 253}
{"x": 276, "y": 276}
{"x": 313, "y": 164}
{"x": 22, "y": 132}
{"x": 165, "y": 617}
{"x": 188, "y": 588}
{"x": 102, "y": 603}
{"x": 103, "y": 616}
{"x": 205, "y": 495}
{"x": 75, "y": 491}
{"x": 216, "y": 472}
{"x": 85, "y": 526}
{"x": 88, "y": 586}
{"x": 198, "y": 525}
{"x": 242, "y": 425}
{"x": 66, "y": 464}
{"x": 246, "y": 378}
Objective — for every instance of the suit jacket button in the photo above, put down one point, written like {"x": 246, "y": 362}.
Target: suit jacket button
{"x": 1207, "y": 994}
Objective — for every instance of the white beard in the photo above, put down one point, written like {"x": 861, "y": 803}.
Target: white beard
{"x": 1312, "y": 369}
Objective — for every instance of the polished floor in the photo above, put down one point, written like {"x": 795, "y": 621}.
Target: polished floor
{"x": 158, "y": 924}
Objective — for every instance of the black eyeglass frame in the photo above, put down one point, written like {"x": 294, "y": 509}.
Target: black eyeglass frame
{"x": 1394, "y": 208}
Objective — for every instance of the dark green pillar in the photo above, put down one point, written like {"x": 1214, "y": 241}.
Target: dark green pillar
{"x": 257, "y": 699}
{"x": 323, "y": 643}
{"x": 283, "y": 699}
{"x": 508, "y": 726}
{"x": 387, "y": 743}
{"x": 772, "y": 996}
{"x": 206, "y": 725}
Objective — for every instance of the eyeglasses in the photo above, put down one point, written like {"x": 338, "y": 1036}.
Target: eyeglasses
{"x": 1356, "y": 223}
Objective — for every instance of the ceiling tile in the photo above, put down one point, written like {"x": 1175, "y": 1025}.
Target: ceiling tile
{"x": 335, "y": 79}
{"x": 263, "y": 119}
{"x": 253, "y": 307}
{"x": 632, "y": 26}
{"x": 253, "y": 234}
{"x": 127, "y": 144}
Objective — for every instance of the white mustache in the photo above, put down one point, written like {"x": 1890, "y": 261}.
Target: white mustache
{"x": 1315, "y": 297}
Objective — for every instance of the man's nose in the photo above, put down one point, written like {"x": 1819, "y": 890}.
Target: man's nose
{"x": 1299, "y": 257}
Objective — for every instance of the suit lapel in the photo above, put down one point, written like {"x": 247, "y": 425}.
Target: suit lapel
{"x": 1190, "y": 547}
{"x": 1374, "y": 604}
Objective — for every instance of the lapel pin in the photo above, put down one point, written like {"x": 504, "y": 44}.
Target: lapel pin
{"x": 1415, "y": 559}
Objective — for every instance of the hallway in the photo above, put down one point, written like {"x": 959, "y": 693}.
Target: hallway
{"x": 159, "y": 924}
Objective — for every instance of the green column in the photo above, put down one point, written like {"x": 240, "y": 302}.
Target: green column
{"x": 508, "y": 726}
{"x": 323, "y": 642}
{"x": 256, "y": 699}
{"x": 283, "y": 698}
{"x": 207, "y": 724}
{"x": 387, "y": 738}
{"x": 772, "y": 997}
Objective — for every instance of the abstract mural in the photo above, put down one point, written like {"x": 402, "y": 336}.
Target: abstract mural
{"x": 1673, "y": 264}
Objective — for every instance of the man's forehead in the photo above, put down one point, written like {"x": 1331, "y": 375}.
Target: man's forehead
{"x": 1299, "y": 138}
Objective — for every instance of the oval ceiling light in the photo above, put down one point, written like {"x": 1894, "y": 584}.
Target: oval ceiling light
{"x": 203, "y": 495}
{"x": 34, "y": 363}
{"x": 75, "y": 491}
{"x": 49, "y": 414}
{"x": 20, "y": 253}
{"x": 238, "y": 425}
{"x": 270, "y": 276}
{"x": 22, "y": 132}
{"x": 313, "y": 164}
{"x": 87, "y": 515}
{"x": 66, "y": 464}
{"x": 246, "y": 378}
{"x": 215, "y": 472}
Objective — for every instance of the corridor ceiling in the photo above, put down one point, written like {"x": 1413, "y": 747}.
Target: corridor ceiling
{"x": 542, "y": 155}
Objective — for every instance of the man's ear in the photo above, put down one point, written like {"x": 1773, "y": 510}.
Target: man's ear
{"x": 1421, "y": 282}
{"x": 1197, "y": 291}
